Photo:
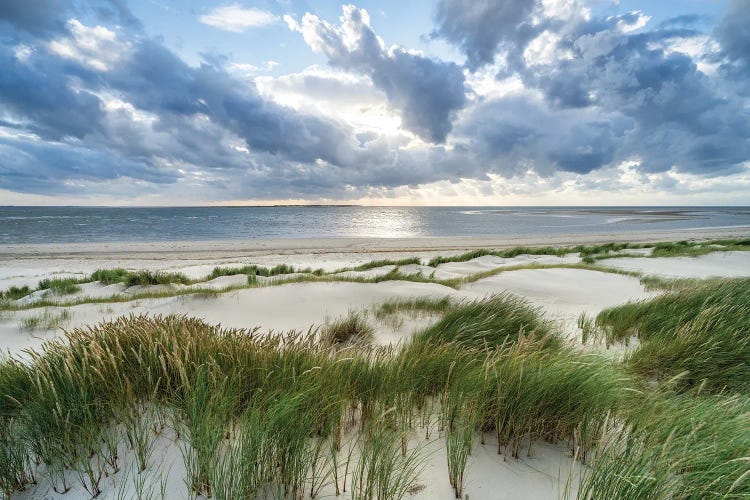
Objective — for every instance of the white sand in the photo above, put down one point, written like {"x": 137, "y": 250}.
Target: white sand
{"x": 562, "y": 293}
{"x": 296, "y": 306}
{"x": 543, "y": 475}
{"x": 716, "y": 264}
{"x": 490, "y": 262}
{"x": 26, "y": 264}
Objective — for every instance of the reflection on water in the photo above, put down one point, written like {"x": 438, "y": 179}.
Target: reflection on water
{"x": 384, "y": 223}
{"x": 76, "y": 224}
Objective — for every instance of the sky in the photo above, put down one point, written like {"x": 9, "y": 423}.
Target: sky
{"x": 408, "y": 102}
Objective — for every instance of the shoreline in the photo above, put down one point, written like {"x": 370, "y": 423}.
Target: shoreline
{"x": 213, "y": 249}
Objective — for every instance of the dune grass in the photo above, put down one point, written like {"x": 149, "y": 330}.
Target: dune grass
{"x": 266, "y": 414}
{"x": 15, "y": 293}
{"x": 589, "y": 254}
{"x": 674, "y": 446}
{"x": 60, "y": 286}
{"x": 110, "y": 276}
{"x": 701, "y": 333}
{"x": 253, "y": 270}
{"x": 142, "y": 277}
{"x": 664, "y": 314}
{"x": 394, "y": 275}
{"x": 382, "y": 263}
{"x": 414, "y": 307}
{"x": 693, "y": 248}
{"x": 48, "y": 320}
{"x": 284, "y": 415}
{"x": 145, "y": 278}
{"x": 350, "y": 330}
{"x": 506, "y": 254}
{"x": 490, "y": 323}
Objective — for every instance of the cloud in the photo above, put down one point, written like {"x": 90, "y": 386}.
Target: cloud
{"x": 482, "y": 27}
{"x": 97, "y": 47}
{"x": 30, "y": 166}
{"x": 236, "y": 18}
{"x": 426, "y": 92}
{"x": 732, "y": 33}
{"x": 36, "y": 96}
{"x": 558, "y": 100}
{"x": 36, "y": 17}
{"x": 44, "y": 17}
{"x": 506, "y": 136}
{"x": 673, "y": 114}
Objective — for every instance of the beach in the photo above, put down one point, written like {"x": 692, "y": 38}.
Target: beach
{"x": 328, "y": 280}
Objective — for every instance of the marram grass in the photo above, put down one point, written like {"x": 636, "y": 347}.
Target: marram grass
{"x": 283, "y": 415}
{"x": 589, "y": 255}
{"x": 674, "y": 446}
{"x": 701, "y": 334}
{"x": 276, "y": 407}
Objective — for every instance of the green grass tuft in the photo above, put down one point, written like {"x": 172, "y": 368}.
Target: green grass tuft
{"x": 414, "y": 307}
{"x": 145, "y": 278}
{"x": 60, "y": 286}
{"x": 353, "y": 329}
{"x": 488, "y": 324}
{"x": 110, "y": 276}
{"x": 15, "y": 293}
{"x": 701, "y": 334}
{"x": 687, "y": 446}
{"x": 46, "y": 321}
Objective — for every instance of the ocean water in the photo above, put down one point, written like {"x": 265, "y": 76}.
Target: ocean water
{"x": 107, "y": 224}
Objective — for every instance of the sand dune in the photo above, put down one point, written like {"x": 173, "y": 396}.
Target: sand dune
{"x": 562, "y": 293}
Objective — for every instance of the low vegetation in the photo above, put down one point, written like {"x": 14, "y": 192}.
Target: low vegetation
{"x": 693, "y": 248}
{"x": 290, "y": 415}
{"x": 110, "y": 276}
{"x": 48, "y": 320}
{"x": 675, "y": 446}
{"x": 60, "y": 286}
{"x": 589, "y": 254}
{"x": 145, "y": 278}
{"x": 413, "y": 307}
{"x": 15, "y": 293}
{"x": 350, "y": 330}
{"x": 700, "y": 335}
{"x": 382, "y": 263}
{"x": 506, "y": 254}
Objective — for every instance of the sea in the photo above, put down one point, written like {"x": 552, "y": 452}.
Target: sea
{"x": 24, "y": 225}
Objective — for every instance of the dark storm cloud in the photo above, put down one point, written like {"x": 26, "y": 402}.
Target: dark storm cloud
{"x": 505, "y": 133}
{"x": 663, "y": 91}
{"x": 156, "y": 80}
{"x": 481, "y": 27}
{"x": 58, "y": 99}
{"x": 677, "y": 115}
{"x": 42, "y": 17}
{"x": 605, "y": 91}
{"x": 36, "y": 91}
{"x": 34, "y": 16}
{"x": 36, "y": 167}
{"x": 427, "y": 92}
{"x": 685, "y": 21}
{"x": 734, "y": 36}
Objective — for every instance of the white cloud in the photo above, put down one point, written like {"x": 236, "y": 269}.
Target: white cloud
{"x": 639, "y": 22}
{"x": 22, "y": 51}
{"x": 236, "y": 18}
{"x": 340, "y": 95}
{"x": 97, "y": 47}
{"x": 246, "y": 70}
